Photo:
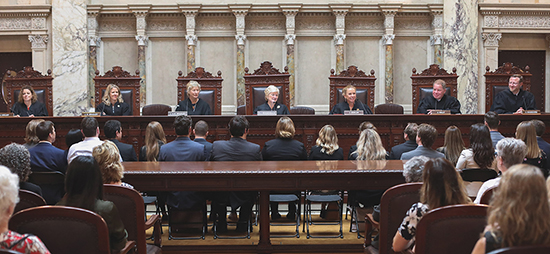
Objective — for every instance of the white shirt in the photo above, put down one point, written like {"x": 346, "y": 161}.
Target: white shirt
{"x": 84, "y": 147}
{"x": 486, "y": 185}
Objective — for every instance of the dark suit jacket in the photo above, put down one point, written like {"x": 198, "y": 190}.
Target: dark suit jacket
{"x": 182, "y": 149}
{"x": 421, "y": 150}
{"x": 235, "y": 149}
{"x": 207, "y": 146}
{"x": 45, "y": 158}
{"x": 316, "y": 154}
{"x": 398, "y": 150}
{"x": 127, "y": 151}
{"x": 543, "y": 145}
{"x": 284, "y": 149}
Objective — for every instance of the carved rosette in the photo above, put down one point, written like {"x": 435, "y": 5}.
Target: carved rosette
{"x": 491, "y": 39}
{"x": 38, "y": 41}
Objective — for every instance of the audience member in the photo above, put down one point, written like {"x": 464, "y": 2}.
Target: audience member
{"x": 438, "y": 100}
{"x": 107, "y": 157}
{"x": 154, "y": 140}
{"x": 369, "y": 147}
{"x": 85, "y": 190}
{"x": 442, "y": 186}
{"x": 509, "y": 152}
{"x": 90, "y": 129}
{"x": 112, "y": 103}
{"x": 414, "y": 168}
{"x": 535, "y": 156}
{"x": 518, "y": 212}
{"x": 492, "y": 120}
{"x": 540, "y": 127}
{"x": 326, "y": 146}
{"x": 193, "y": 104}
{"x": 514, "y": 99}
{"x": 453, "y": 145}
{"x": 113, "y": 132}
{"x": 362, "y": 127}
{"x": 409, "y": 134}
{"x": 10, "y": 240}
{"x": 73, "y": 136}
{"x": 30, "y": 133}
{"x": 350, "y": 102}
{"x": 271, "y": 104}
{"x": 481, "y": 152}
{"x": 28, "y": 104}
{"x": 18, "y": 159}
{"x": 201, "y": 131}
{"x": 425, "y": 138}
{"x": 236, "y": 149}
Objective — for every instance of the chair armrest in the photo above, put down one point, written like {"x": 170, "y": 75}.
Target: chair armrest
{"x": 155, "y": 222}
{"x": 370, "y": 226}
{"x": 130, "y": 247}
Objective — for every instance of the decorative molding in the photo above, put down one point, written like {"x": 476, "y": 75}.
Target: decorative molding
{"x": 412, "y": 24}
{"x": 491, "y": 39}
{"x": 437, "y": 21}
{"x": 290, "y": 38}
{"x": 117, "y": 25}
{"x": 190, "y": 22}
{"x": 7, "y": 24}
{"x": 142, "y": 40}
{"x": 524, "y": 21}
{"x": 240, "y": 39}
{"x": 388, "y": 39}
{"x": 361, "y": 23}
{"x": 490, "y": 21}
{"x": 141, "y": 23}
{"x": 38, "y": 23}
{"x": 215, "y": 23}
{"x": 339, "y": 39}
{"x": 265, "y": 24}
{"x": 305, "y": 22}
{"x": 38, "y": 41}
{"x": 92, "y": 22}
{"x": 165, "y": 25}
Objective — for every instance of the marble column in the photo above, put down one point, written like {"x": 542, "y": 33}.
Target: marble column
{"x": 69, "y": 57}
{"x": 143, "y": 40}
{"x": 191, "y": 52}
{"x": 339, "y": 41}
{"x": 388, "y": 81}
{"x": 490, "y": 45}
{"x": 94, "y": 41}
{"x": 39, "y": 45}
{"x": 461, "y": 49}
{"x": 340, "y": 12}
{"x": 438, "y": 49}
{"x": 437, "y": 38}
{"x": 290, "y": 39}
{"x": 241, "y": 96}
{"x": 190, "y": 36}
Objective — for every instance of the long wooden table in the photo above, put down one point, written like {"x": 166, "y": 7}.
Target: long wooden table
{"x": 264, "y": 176}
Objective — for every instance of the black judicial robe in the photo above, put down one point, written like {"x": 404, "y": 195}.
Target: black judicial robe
{"x": 36, "y": 109}
{"x": 506, "y": 102}
{"x": 118, "y": 109}
{"x": 200, "y": 108}
{"x": 343, "y": 106}
{"x": 446, "y": 103}
{"x": 280, "y": 108}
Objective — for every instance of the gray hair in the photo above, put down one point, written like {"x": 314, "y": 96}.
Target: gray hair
{"x": 18, "y": 159}
{"x": 270, "y": 89}
{"x": 192, "y": 84}
{"x": 414, "y": 168}
{"x": 511, "y": 150}
{"x": 9, "y": 188}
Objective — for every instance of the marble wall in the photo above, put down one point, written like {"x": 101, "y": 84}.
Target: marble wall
{"x": 168, "y": 56}
{"x": 313, "y": 64}
{"x": 408, "y": 53}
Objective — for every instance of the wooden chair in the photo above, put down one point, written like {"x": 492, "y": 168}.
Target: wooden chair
{"x": 394, "y": 204}
{"x": 41, "y": 84}
{"x": 28, "y": 199}
{"x": 66, "y": 229}
{"x": 131, "y": 209}
{"x": 129, "y": 86}
{"x": 364, "y": 85}
{"x": 523, "y": 249}
{"x": 497, "y": 81}
{"x": 211, "y": 88}
{"x": 487, "y": 195}
{"x": 422, "y": 84}
{"x": 302, "y": 111}
{"x": 450, "y": 229}
{"x": 388, "y": 108}
{"x": 51, "y": 183}
{"x": 259, "y": 80}
{"x": 155, "y": 110}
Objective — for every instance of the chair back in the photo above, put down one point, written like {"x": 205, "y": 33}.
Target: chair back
{"x": 300, "y": 110}
{"x": 388, "y": 108}
{"x": 364, "y": 85}
{"x": 451, "y": 229}
{"x": 28, "y": 199}
{"x": 52, "y": 184}
{"x": 422, "y": 84}
{"x": 497, "y": 81}
{"x": 522, "y": 250}
{"x": 211, "y": 88}
{"x": 156, "y": 110}
{"x": 478, "y": 174}
{"x": 256, "y": 83}
{"x": 41, "y": 84}
{"x": 132, "y": 212}
{"x": 394, "y": 204}
{"x": 487, "y": 195}
{"x": 130, "y": 86}
{"x": 64, "y": 229}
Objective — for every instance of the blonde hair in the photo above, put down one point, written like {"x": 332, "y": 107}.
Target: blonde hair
{"x": 108, "y": 158}
{"x": 192, "y": 84}
{"x": 153, "y": 134}
{"x": 518, "y": 212}
{"x": 327, "y": 140}
{"x": 526, "y": 131}
{"x": 33, "y": 93}
{"x": 30, "y": 131}
{"x": 453, "y": 143}
{"x": 369, "y": 146}
{"x": 270, "y": 89}
{"x": 285, "y": 128}
{"x": 345, "y": 89}
{"x": 107, "y": 98}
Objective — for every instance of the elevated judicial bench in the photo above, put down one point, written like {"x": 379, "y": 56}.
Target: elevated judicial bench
{"x": 264, "y": 176}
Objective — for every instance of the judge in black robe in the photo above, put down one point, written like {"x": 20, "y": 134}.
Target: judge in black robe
{"x": 446, "y": 103}
{"x": 36, "y": 109}
{"x": 351, "y": 102}
{"x": 271, "y": 104}
{"x": 116, "y": 109}
{"x": 506, "y": 102}
{"x": 199, "y": 108}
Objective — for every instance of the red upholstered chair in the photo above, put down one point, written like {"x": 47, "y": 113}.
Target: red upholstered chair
{"x": 451, "y": 229}
{"x": 156, "y": 110}
{"x": 259, "y": 80}
{"x": 394, "y": 204}
{"x": 422, "y": 84}
{"x": 129, "y": 87}
{"x": 388, "y": 108}
{"x": 523, "y": 250}
{"x": 364, "y": 85}
{"x": 66, "y": 229}
{"x": 211, "y": 88}
{"x": 497, "y": 81}
{"x": 41, "y": 84}
{"x": 28, "y": 199}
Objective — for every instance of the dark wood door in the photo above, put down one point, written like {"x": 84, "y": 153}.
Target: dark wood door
{"x": 535, "y": 59}
{"x": 12, "y": 61}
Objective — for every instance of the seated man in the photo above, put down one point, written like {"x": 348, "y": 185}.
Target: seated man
{"x": 410, "y": 142}
{"x": 425, "y": 138}
{"x": 515, "y": 99}
{"x": 201, "y": 131}
{"x": 438, "y": 100}
{"x": 492, "y": 121}
{"x": 113, "y": 132}
{"x": 90, "y": 130}
{"x": 540, "y": 127}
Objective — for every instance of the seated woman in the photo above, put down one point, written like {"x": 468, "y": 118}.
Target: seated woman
{"x": 326, "y": 146}
{"x": 271, "y": 104}
{"x": 350, "y": 103}
{"x": 440, "y": 177}
{"x": 154, "y": 139}
{"x": 18, "y": 159}
{"x": 453, "y": 145}
{"x": 112, "y": 103}
{"x": 108, "y": 159}
{"x": 193, "y": 104}
{"x": 31, "y": 140}
{"x": 10, "y": 240}
{"x": 84, "y": 189}
{"x": 518, "y": 212}
{"x": 28, "y": 105}
{"x": 364, "y": 125}
{"x": 535, "y": 156}
{"x": 481, "y": 152}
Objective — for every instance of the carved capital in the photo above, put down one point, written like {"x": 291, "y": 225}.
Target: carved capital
{"x": 290, "y": 38}
{"x": 388, "y": 39}
{"x": 38, "y": 41}
{"x": 142, "y": 40}
{"x": 191, "y": 39}
{"x": 491, "y": 39}
{"x": 339, "y": 39}
{"x": 95, "y": 41}
{"x": 436, "y": 39}
{"x": 240, "y": 39}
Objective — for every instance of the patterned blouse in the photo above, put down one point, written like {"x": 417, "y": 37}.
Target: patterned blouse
{"x": 407, "y": 229}
{"x": 28, "y": 244}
